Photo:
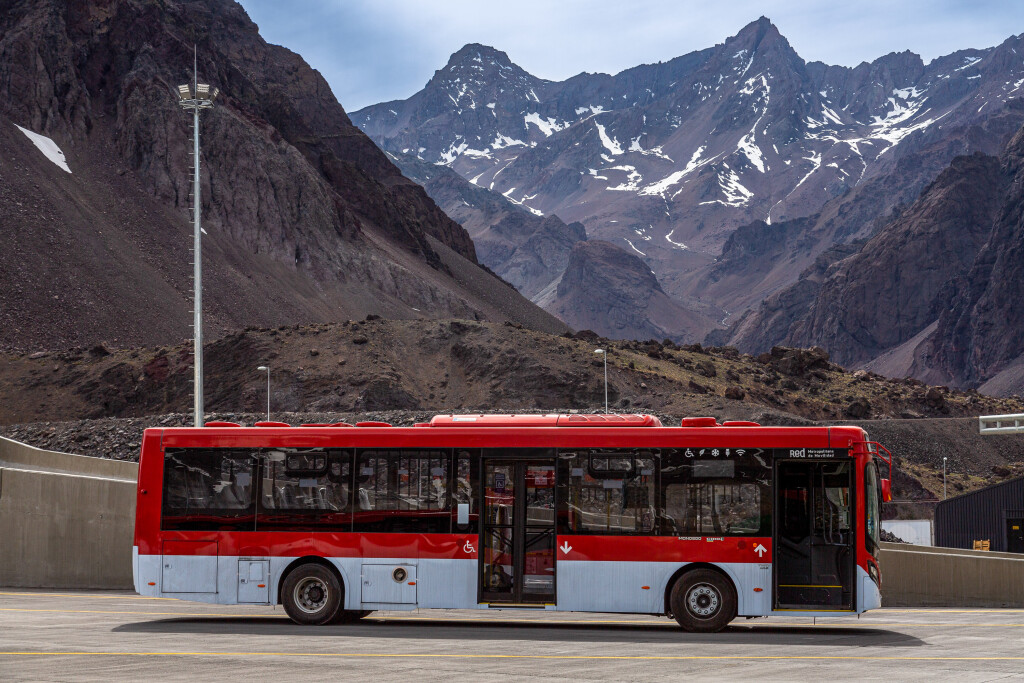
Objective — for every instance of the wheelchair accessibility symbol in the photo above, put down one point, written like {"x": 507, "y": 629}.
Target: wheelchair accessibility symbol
{"x": 468, "y": 548}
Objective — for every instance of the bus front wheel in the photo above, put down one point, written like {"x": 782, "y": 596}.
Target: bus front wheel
{"x": 311, "y": 595}
{"x": 703, "y": 601}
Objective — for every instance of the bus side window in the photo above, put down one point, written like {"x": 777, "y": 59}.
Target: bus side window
{"x": 208, "y": 489}
{"x": 607, "y": 491}
{"x": 305, "y": 489}
{"x": 402, "y": 490}
{"x": 715, "y": 496}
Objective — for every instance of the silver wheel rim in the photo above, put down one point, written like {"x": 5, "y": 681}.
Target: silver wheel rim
{"x": 311, "y": 594}
{"x": 703, "y": 600}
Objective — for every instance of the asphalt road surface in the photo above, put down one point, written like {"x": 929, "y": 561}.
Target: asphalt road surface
{"x": 82, "y": 635}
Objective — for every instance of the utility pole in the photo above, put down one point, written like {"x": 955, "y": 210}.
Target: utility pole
{"x": 264, "y": 368}
{"x": 196, "y": 96}
{"x": 605, "y": 355}
{"x": 944, "y": 477}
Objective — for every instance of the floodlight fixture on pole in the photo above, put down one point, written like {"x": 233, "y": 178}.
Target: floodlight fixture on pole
{"x": 193, "y": 97}
{"x": 605, "y": 354}
{"x": 264, "y": 368}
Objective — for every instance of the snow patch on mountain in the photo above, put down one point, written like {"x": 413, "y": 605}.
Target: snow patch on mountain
{"x": 735, "y": 192}
{"x": 453, "y": 152}
{"x": 502, "y": 141}
{"x": 631, "y": 246}
{"x": 968, "y": 63}
{"x": 675, "y": 245}
{"x": 611, "y": 144}
{"x": 48, "y": 147}
{"x": 546, "y": 126}
{"x": 660, "y": 187}
{"x": 632, "y": 182}
{"x": 747, "y": 145}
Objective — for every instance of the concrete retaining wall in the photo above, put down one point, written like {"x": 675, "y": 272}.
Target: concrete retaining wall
{"x": 919, "y": 576}
{"x": 66, "y": 521}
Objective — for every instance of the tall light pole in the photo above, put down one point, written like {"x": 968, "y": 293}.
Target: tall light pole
{"x": 605, "y": 354}
{"x": 943, "y": 477}
{"x": 264, "y": 368}
{"x": 196, "y": 96}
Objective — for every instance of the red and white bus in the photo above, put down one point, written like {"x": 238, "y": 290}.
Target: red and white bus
{"x": 595, "y": 513}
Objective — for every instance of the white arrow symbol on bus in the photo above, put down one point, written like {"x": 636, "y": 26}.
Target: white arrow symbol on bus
{"x": 565, "y": 547}
{"x": 760, "y": 550}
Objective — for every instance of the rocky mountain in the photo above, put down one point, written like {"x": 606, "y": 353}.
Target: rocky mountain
{"x": 533, "y": 253}
{"x": 526, "y": 250}
{"x": 613, "y": 292}
{"x": 979, "y": 336}
{"x": 458, "y": 366}
{"x": 930, "y": 295}
{"x": 307, "y": 219}
{"x": 668, "y": 160}
{"x": 404, "y": 371}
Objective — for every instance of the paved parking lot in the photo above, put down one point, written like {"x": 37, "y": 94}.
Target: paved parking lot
{"x": 81, "y": 635}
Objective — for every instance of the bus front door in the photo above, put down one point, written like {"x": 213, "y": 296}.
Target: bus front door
{"x": 517, "y": 562}
{"x": 814, "y": 539}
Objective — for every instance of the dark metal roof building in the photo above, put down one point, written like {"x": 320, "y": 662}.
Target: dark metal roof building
{"x": 994, "y": 514}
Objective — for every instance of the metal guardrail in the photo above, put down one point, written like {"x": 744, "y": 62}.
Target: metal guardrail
{"x": 1001, "y": 424}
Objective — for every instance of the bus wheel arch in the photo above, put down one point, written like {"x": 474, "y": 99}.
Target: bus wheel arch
{"x": 316, "y": 582}
{"x": 309, "y": 559}
{"x": 710, "y": 586}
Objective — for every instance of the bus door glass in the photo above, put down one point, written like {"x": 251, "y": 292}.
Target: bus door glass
{"x": 517, "y": 562}
{"x": 814, "y": 535}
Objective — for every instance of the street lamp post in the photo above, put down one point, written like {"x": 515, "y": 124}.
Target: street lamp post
{"x": 264, "y": 368}
{"x": 193, "y": 97}
{"x": 943, "y": 477}
{"x": 605, "y": 354}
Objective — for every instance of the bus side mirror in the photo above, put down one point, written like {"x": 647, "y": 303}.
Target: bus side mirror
{"x": 886, "y": 490}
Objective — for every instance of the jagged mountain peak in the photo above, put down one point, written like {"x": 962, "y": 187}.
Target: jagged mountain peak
{"x": 762, "y": 45}
{"x": 667, "y": 160}
{"x": 756, "y": 31}
{"x": 479, "y": 53}
{"x": 479, "y": 64}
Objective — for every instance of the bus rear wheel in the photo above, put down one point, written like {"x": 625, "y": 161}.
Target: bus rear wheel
{"x": 703, "y": 601}
{"x": 311, "y": 595}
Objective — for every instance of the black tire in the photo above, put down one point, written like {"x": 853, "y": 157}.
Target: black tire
{"x": 312, "y": 595}
{"x": 350, "y": 616}
{"x": 703, "y": 601}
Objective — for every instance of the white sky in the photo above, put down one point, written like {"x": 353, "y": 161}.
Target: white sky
{"x": 376, "y": 50}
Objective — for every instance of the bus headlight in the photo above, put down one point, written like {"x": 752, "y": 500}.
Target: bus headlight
{"x": 873, "y": 573}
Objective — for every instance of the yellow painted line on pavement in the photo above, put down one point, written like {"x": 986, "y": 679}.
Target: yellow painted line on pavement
{"x": 90, "y": 597}
{"x": 548, "y": 622}
{"x": 151, "y": 614}
{"x": 672, "y": 624}
{"x": 412, "y": 655}
{"x": 924, "y": 610}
